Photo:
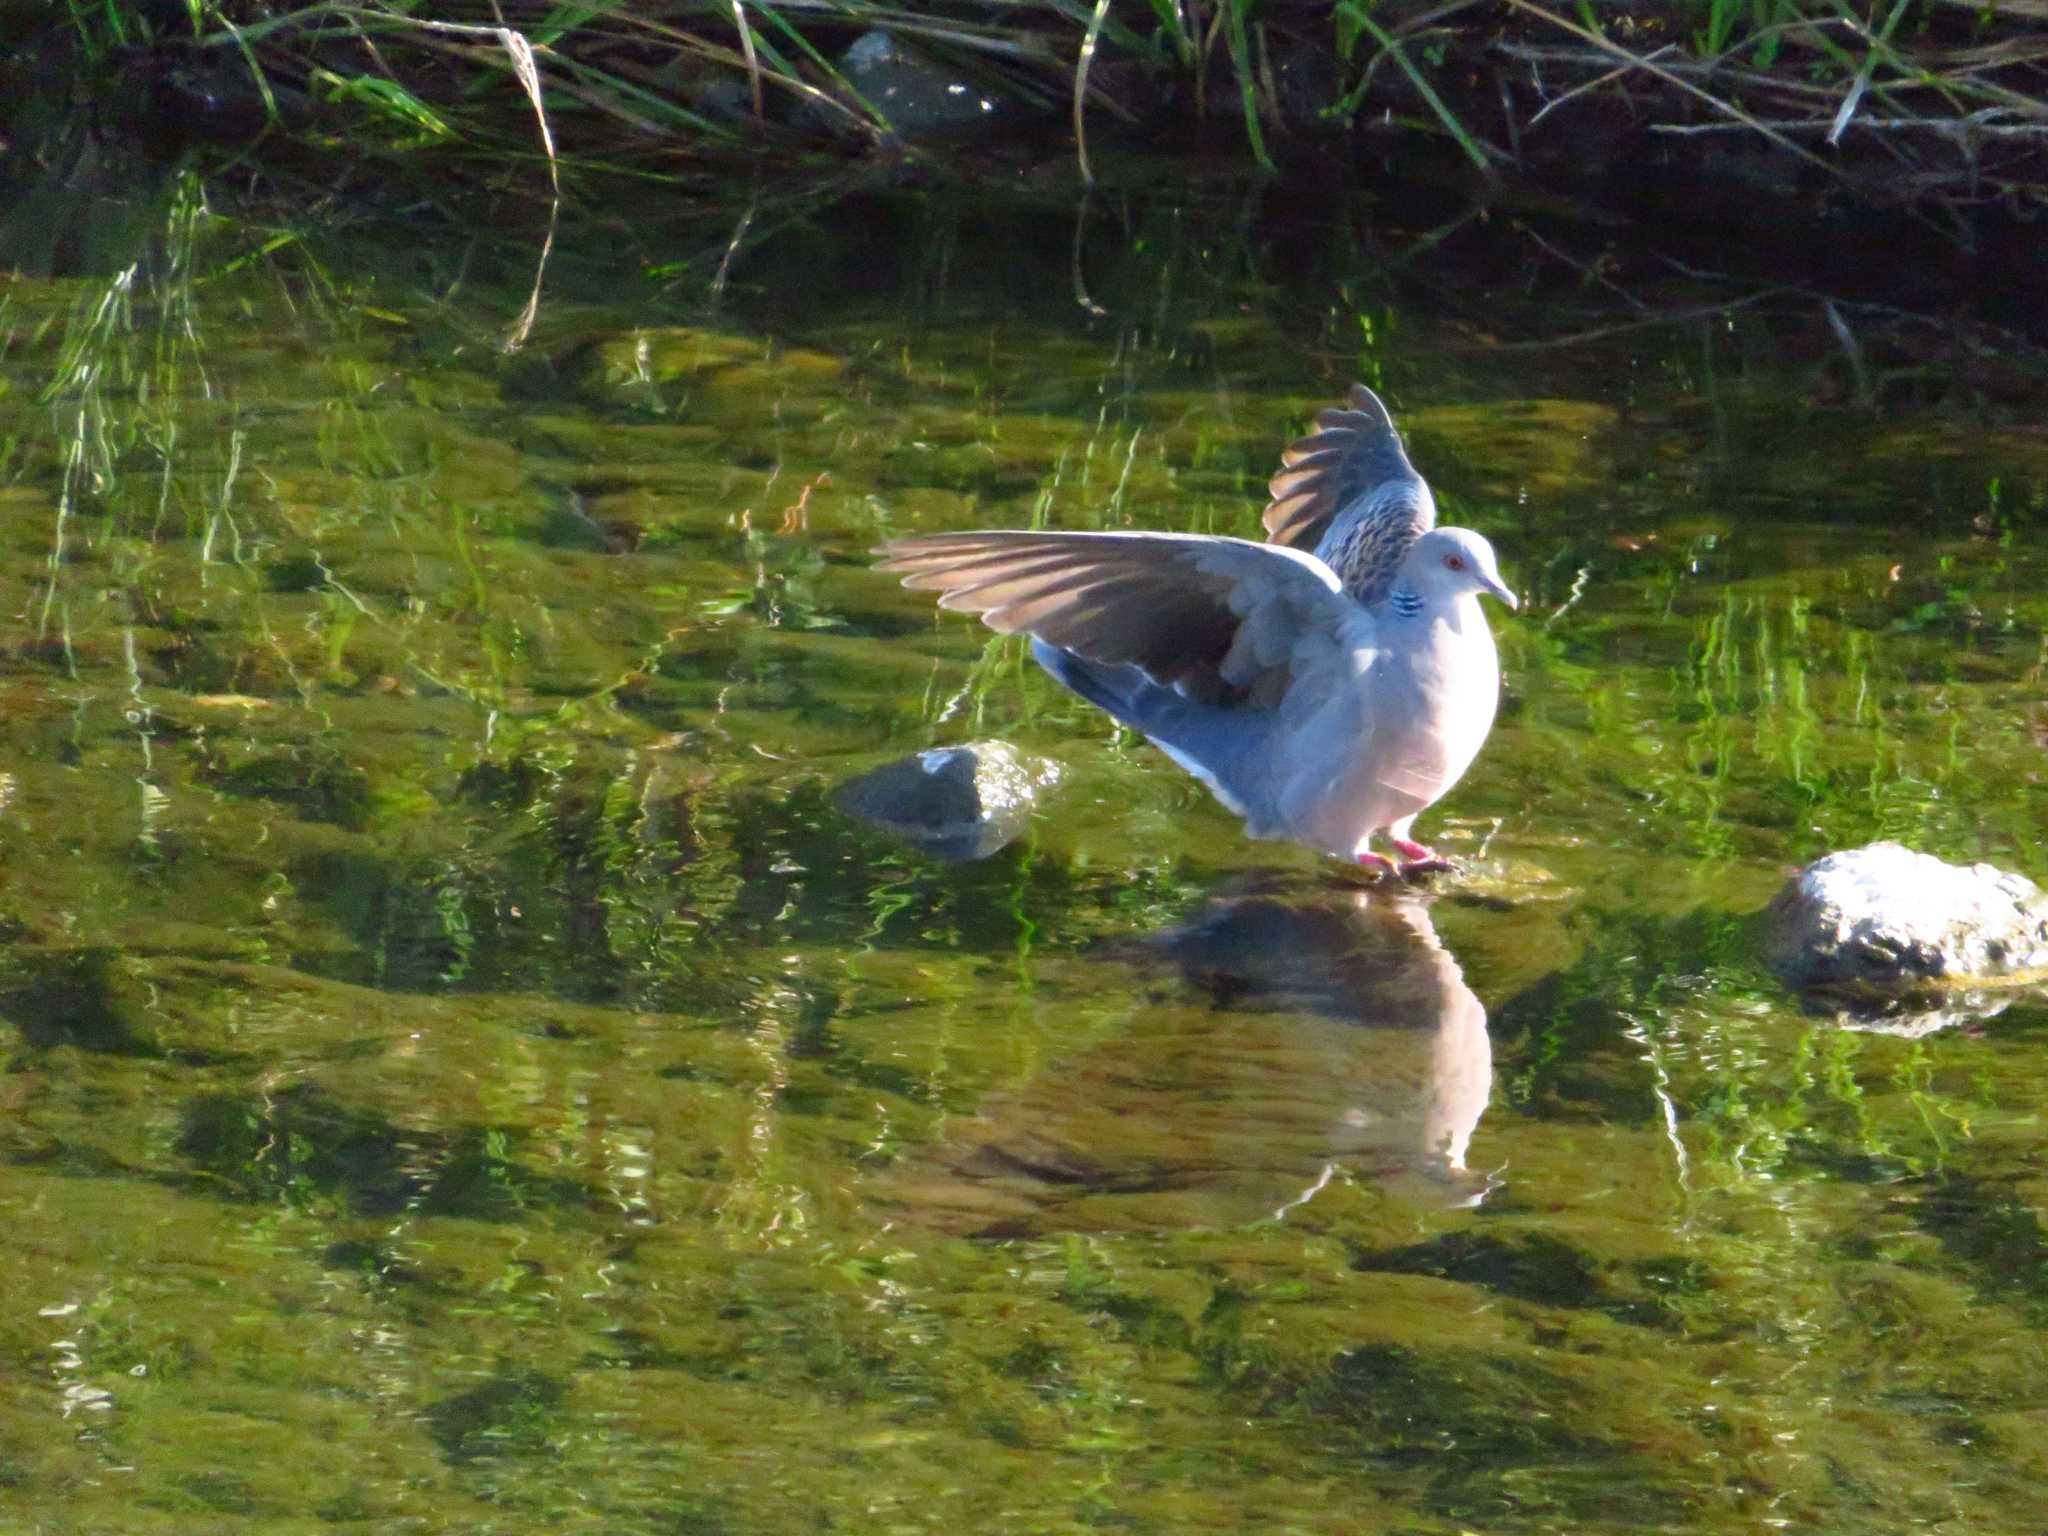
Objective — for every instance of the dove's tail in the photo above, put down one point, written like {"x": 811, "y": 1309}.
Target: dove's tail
{"x": 1214, "y": 744}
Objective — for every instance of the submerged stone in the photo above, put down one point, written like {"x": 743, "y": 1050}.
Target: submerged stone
{"x": 915, "y": 92}
{"x": 955, "y": 803}
{"x": 1883, "y": 922}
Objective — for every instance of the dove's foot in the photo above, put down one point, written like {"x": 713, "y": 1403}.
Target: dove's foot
{"x": 1435, "y": 864}
{"x": 1377, "y": 864}
{"x": 1419, "y": 859}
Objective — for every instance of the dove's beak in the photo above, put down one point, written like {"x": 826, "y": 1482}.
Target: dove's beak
{"x": 1500, "y": 590}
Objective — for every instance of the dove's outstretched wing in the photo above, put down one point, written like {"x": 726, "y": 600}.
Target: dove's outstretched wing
{"x": 1220, "y": 650}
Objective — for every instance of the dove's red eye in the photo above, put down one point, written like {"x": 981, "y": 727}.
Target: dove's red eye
{"x": 1454, "y": 562}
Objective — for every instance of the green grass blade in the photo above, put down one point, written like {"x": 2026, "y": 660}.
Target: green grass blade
{"x": 1474, "y": 151}
{"x": 1247, "y": 83}
{"x": 383, "y": 98}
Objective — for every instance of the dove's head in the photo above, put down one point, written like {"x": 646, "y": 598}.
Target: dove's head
{"x": 1449, "y": 562}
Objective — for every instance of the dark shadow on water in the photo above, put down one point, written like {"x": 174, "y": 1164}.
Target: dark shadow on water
{"x": 1541, "y": 1269}
{"x": 315, "y": 782}
{"x": 73, "y": 998}
{"x": 371, "y": 1262}
{"x": 1282, "y": 1039}
{"x": 300, "y": 1146}
{"x": 508, "y": 1415}
{"x": 395, "y": 915}
{"x": 1569, "y": 1033}
{"x": 1990, "y": 1230}
{"x": 1469, "y": 1424}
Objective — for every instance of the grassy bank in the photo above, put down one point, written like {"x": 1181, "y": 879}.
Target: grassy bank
{"x": 1939, "y": 103}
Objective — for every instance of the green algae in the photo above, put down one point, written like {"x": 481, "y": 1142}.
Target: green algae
{"x": 461, "y": 1072}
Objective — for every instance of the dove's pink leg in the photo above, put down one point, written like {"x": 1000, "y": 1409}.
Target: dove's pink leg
{"x": 1378, "y": 863}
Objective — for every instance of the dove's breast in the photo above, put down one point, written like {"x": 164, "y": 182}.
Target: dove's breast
{"x": 1456, "y": 682}
{"x": 1399, "y": 737}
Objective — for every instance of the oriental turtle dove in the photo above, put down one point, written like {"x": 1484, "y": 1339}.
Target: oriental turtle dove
{"x": 1325, "y": 696}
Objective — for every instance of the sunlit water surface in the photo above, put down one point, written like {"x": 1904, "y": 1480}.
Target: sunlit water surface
{"x": 462, "y": 1074}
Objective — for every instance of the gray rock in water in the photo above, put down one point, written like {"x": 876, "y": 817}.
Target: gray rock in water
{"x": 954, "y": 803}
{"x": 1883, "y": 921}
{"x": 915, "y": 92}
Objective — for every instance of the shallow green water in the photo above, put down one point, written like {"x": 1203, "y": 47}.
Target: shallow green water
{"x": 461, "y": 1073}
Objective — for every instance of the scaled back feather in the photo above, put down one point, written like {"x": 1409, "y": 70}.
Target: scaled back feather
{"x": 1347, "y": 494}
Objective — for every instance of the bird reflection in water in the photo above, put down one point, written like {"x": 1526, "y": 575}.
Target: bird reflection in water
{"x": 1285, "y": 1040}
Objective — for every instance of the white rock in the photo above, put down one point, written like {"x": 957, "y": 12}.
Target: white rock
{"x": 1885, "y": 920}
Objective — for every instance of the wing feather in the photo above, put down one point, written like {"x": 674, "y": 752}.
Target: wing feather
{"x": 1216, "y": 618}
{"x": 1347, "y": 491}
